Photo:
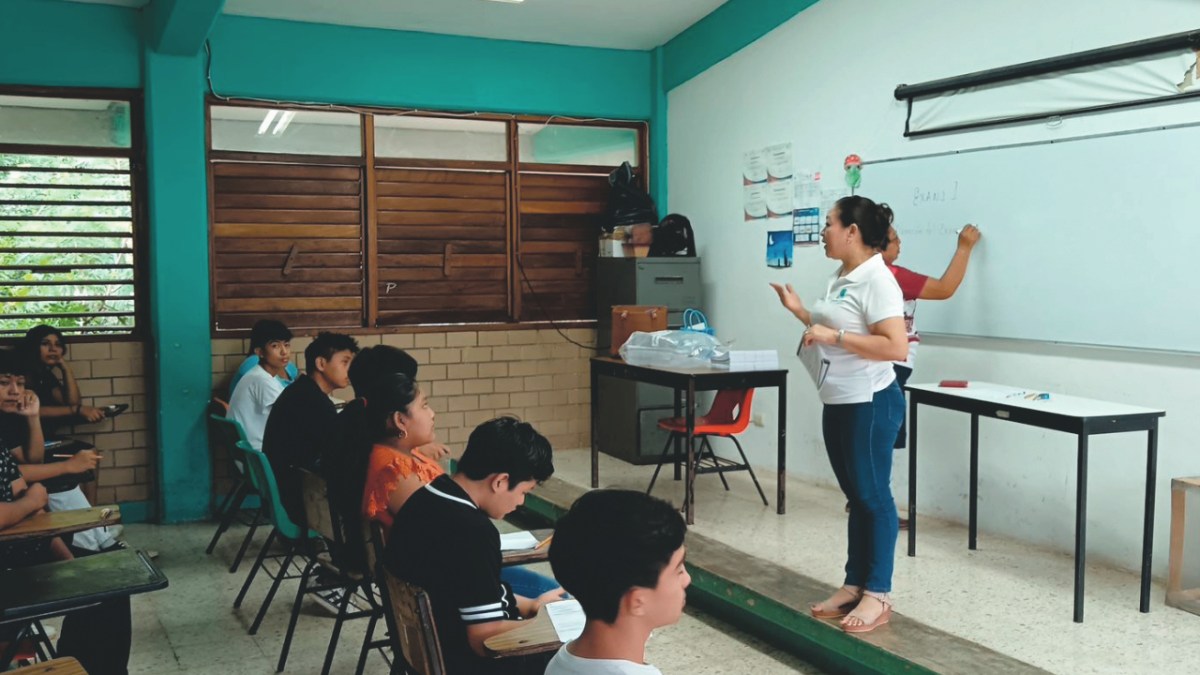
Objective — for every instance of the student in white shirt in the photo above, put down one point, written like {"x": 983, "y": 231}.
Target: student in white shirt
{"x": 621, "y": 554}
{"x": 251, "y": 402}
{"x": 858, "y": 328}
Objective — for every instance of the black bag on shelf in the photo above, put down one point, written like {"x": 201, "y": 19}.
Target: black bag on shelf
{"x": 628, "y": 204}
{"x": 673, "y": 236}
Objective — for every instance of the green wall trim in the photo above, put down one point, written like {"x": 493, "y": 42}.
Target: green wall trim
{"x": 181, "y": 366}
{"x": 66, "y": 44}
{"x": 294, "y": 61}
{"x": 137, "y": 512}
{"x": 721, "y": 34}
{"x": 179, "y": 27}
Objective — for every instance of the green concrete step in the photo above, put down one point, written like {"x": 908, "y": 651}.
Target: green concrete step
{"x": 770, "y": 602}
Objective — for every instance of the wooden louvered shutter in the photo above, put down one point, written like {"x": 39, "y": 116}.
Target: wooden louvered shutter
{"x": 287, "y": 245}
{"x": 442, "y": 246}
{"x": 560, "y": 217}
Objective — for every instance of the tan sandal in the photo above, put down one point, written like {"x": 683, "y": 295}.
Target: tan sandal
{"x": 839, "y": 611}
{"x": 863, "y": 626}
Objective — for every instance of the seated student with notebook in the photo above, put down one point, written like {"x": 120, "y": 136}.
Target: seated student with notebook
{"x": 620, "y": 553}
{"x": 251, "y": 400}
{"x": 443, "y": 541}
{"x": 21, "y": 436}
{"x": 98, "y": 636}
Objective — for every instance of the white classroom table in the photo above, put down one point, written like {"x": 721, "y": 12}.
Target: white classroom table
{"x": 1081, "y": 416}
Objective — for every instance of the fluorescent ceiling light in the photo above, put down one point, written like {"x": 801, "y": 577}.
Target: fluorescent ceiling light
{"x": 266, "y": 123}
{"x": 284, "y": 120}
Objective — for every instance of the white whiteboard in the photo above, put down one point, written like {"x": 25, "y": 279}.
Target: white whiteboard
{"x": 1088, "y": 241}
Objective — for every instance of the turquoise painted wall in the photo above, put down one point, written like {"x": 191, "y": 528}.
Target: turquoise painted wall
{"x": 312, "y": 62}
{"x": 70, "y": 45}
{"x": 722, "y": 33}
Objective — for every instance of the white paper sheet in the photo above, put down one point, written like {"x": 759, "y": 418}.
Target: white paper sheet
{"x": 568, "y": 619}
{"x": 517, "y": 541}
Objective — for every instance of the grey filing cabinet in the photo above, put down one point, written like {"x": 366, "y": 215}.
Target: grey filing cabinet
{"x": 673, "y": 282}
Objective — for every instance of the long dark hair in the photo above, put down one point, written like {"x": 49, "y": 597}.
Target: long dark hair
{"x": 364, "y": 422}
{"x": 41, "y": 379}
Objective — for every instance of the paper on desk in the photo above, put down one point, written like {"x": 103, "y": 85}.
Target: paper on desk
{"x": 568, "y": 619}
{"x": 517, "y": 541}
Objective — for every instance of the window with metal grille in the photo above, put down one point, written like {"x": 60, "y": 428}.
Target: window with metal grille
{"x": 67, "y": 216}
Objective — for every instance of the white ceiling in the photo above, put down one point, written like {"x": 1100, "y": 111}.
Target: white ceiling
{"x": 617, "y": 24}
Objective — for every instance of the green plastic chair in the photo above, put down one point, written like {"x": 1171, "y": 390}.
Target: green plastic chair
{"x": 258, "y": 467}
{"x": 225, "y": 433}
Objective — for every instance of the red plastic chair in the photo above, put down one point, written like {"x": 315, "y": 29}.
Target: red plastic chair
{"x": 728, "y": 417}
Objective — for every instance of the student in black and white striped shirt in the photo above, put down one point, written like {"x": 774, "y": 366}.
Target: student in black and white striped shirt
{"x": 443, "y": 540}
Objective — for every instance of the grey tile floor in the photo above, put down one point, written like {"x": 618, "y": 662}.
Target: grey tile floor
{"x": 1008, "y": 596}
{"x": 191, "y": 626}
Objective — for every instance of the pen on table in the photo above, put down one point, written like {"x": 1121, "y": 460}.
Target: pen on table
{"x": 543, "y": 543}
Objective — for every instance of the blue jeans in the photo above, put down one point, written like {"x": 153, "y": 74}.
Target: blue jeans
{"x": 526, "y": 583}
{"x": 859, "y": 439}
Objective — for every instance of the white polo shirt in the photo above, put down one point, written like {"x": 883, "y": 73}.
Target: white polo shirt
{"x": 252, "y": 401}
{"x": 867, "y": 295}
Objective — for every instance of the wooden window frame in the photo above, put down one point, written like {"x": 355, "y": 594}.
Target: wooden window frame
{"x": 137, "y": 188}
{"x": 369, "y": 163}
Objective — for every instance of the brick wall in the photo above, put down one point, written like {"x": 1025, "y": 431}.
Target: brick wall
{"x": 113, "y": 372}
{"x": 474, "y": 376}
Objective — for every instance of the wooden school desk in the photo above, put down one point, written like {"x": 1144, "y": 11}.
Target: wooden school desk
{"x": 689, "y": 381}
{"x": 535, "y": 636}
{"x": 58, "y": 523}
{"x": 1080, "y": 416}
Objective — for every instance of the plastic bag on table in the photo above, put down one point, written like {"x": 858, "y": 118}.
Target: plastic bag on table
{"x": 672, "y": 349}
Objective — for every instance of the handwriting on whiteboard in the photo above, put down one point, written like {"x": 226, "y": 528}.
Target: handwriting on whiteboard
{"x": 925, "y": 196}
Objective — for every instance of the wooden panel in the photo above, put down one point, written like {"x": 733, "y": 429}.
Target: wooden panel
{"x": 427, "y": 177}
{"x": 286, "y": 304}
{"x": 257, "y": 170}
{"x": 268, "y": 201}
{"x": 230, "y": 245}
{"x": 287, "y": 216}
{"x": 287, "y": 244}
{"x": 274, "y": 230}
{"x": 560, "y": 223}
{"x": 455, "y": 190}
{"x": 442, "y": 251}
{"x": 283, "y": 186}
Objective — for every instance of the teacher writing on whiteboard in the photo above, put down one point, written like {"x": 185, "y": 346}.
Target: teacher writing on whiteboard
{"x": 858, "y": 327}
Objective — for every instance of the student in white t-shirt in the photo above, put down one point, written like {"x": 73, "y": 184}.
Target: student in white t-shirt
{"x": 255, "y": 394}
{"x": 621, "y": 554}
{"x": 857, "y": 330}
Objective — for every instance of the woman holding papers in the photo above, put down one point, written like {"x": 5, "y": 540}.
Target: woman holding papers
{"x": 854, "y": 333}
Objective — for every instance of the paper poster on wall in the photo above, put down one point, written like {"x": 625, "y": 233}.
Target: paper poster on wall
{"x": 754, "y": 167}
{"x": 806, "y": 226}
{"x": 779, "y": 162}
{"x": 779, "y": 249}
{"x": 754, "y": 202}
{"x": 779, "y": 198}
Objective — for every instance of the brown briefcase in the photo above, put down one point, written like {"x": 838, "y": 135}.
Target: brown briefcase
{"x": 626, "y": 319}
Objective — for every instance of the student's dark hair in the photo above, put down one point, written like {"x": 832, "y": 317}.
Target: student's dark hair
{"x": 379, "y": 360}
{"x": 873, "y": 219}
{"x": 383, "y": 378}
{"x": 610, "y": 542}
{"x": 29, "y": 347}
{"x": 13, "y": 363}
{"x": 266, "y": 331}
{"x": 507, "y": 445}
{"x": 324, "y": 346}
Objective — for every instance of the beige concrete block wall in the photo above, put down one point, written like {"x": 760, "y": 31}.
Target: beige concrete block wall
{"x": 472, "y": 376}
{"x": 108, "y": 373}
